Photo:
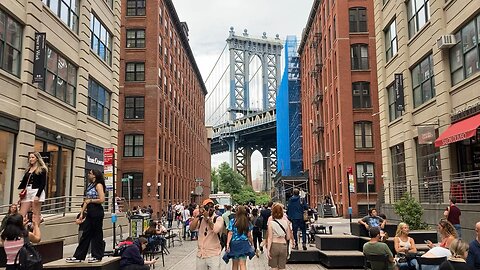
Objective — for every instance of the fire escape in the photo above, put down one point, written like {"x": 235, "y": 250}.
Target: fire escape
{"x": 318, "y": 159}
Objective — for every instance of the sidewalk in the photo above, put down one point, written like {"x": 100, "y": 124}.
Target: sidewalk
{"x": 183, "y": 255}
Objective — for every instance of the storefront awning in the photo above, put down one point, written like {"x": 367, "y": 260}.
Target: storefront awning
{"x": 459, "y": 131}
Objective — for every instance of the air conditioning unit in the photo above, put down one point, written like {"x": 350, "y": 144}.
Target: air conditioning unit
{"x": 446, "y": 41}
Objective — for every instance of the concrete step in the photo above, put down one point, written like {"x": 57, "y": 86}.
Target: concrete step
{"x": 351, "y": 259}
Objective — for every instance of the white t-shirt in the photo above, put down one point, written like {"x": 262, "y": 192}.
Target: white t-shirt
{"x": 438, "y": 252}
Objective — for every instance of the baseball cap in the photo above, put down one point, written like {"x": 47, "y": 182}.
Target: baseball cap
{"x": 207, "y": 201}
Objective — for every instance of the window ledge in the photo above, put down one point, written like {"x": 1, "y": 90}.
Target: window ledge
{"x": 419, "y": 33}
{"x": 101, "y": 60}
{"x": 425, "y": 105}
{"x": 464, "y": 83}
{"x": 98, "y": 122}
{"x": 132, "y": 157}
{"x": 135, "y": 49}
{"x": 58, "y": 101}
{"x": 135, "y": 16}
{"x": 132, "y": 82}
{"x": 448, "y": 4}
{"x": 11, "y": 77}
{"x": 362, "y": 110}
{"x": 134, "y": 120}
{"x": 359, "y": 33}
{"x": 365, "y": 149}
{"x": 361, "y": 70}
{"x": 396, "y": 121}
{"x": 391, "y": 59}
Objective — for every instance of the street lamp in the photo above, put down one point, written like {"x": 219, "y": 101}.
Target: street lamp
{"x": 158, "y": 189}
{"x": 149, "y": 185}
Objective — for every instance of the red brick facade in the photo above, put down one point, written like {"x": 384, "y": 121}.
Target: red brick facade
{"x": 329, "y": 116}
{"x": 175, "y": 146}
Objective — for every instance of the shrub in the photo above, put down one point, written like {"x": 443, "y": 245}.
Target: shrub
{"x": 411, "y": 212}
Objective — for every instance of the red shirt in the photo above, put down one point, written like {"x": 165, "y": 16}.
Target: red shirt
{"x": 454, "y": 214}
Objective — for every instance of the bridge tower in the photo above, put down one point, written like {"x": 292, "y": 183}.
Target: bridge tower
{"x": 242, "y": 48}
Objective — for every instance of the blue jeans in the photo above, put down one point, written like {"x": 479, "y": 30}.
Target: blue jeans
{"x": 299, "y": 224}
{"x": 458, "y": 228}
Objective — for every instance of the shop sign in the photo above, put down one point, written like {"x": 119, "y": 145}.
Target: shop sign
{"x": 426, "y": 134}
{"x": 351, "y": 183}
{"x": 39, "y": 58}
{"x": 399, "y": 96}
{"x": 108, "y": 156}
{"x": 470, "y": 110}
{"x": 108, "y": 160}
{"x": 94, "y": 160}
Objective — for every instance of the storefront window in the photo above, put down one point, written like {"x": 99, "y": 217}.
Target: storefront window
{"x": 429, "y": 172}
{"x": 7, "y": 141}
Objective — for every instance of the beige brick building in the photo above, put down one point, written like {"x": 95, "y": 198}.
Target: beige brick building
{"x": 440, "y": 82}
{"x": 73, "y": 115}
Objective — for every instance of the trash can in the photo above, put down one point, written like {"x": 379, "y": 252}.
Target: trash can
{"x": 138, "y": 224}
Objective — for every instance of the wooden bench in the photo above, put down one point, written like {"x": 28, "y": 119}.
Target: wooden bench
{"x": 50, "y": 250}
{"x": 107, "y": 263}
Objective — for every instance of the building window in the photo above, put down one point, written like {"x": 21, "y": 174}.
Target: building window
{"x": 135, "y": 7}
{"x": 423, "y": 81}
{"x": 133, "y": 146}
{"x": 135, "y": 182}
{"x": 109, "y": 3}
{"x": 429, "y": 172}
{"x": 66, "y": 10}
{"x": 98, "y": 102}
{"x": 359, "y": 56}
{"x": 10, "y": 44}
{"x": 399, "y": 175}
{"x": 393, "y": 111}
{"x": 464, "y": 57}
{"x": 60, "y": 77}
{"x": 365, "y": 177}
{"x": 391, "y": 46}
{"x": 101, "y": 40}
{"x": 418, "y": 12}
{"x": 134, "y": 107}
{"x": 358, "y": 19}
{"x": 135, "y": 72}
{"x": 361, "y": 95}
{"x": 136, "y": 38}
{"x": 363, "y": 134}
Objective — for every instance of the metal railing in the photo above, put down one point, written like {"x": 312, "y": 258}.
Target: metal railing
{"x": 464, "y": 187}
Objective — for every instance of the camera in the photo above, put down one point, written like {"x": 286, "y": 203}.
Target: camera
{"x": 30, "y": 216}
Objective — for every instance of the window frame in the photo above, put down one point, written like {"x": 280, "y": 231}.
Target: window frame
{"x": 355, "y": 13}
{"x": 420, "y": 86}
{"x": 365, "y": 143}
{"x": 138, "y": 112}
{"x": 136, "y": 39}
{"x": 73, "y": 26}
{"x": 106, "y": 109}
{"x": 48, "y": 72}
{"x": 392, "y": 103}
{"x": 134, "y": 72}
{"x": 391, "y": 42}
{"x": 5, "y": 45}
{"x": 358, "y": 63}
{"x": 134, "y": 146}
{"x": 136, "y": 8}
{"x": 135, "y": 185}
{"x": 363, "y": 98}
{"x": 397, "y": 154}
{"x": 413, "y": 18}
{"x": 107, "y": 57}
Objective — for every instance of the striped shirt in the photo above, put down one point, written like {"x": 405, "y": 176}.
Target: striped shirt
{"x": 11, "y": 249}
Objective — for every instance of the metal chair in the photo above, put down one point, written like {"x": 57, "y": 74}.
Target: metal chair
{"x": 430, "y": 261}
{"x": 380, "y": 261}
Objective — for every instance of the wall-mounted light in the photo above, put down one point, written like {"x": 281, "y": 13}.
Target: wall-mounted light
{"x": 158, "y": 189}
{"x": 149, "y": 185}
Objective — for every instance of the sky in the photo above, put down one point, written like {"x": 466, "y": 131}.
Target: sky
{"x": 209, "y": 23}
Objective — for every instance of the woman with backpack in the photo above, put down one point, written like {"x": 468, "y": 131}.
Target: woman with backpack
{"x": 257, "y": 222}
{"x": 239, "y": 240}
{"x": 14, "y": 237}
{"x": 93, "y": 231}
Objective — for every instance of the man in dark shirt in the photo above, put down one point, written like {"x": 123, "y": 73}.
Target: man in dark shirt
{"x": 453, "y": 214}
{"x": 265, "y": 214}
{"x": 131, "y": 258}
{"x": 473, "y": 259}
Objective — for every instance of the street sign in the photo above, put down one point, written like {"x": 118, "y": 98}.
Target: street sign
{"x": 124, "y": 179}
{"x": 367, "y": 174}
{"x": 199, "y": 190}
{"x": 198, "y": 180}
{"x": 130, "y": 177}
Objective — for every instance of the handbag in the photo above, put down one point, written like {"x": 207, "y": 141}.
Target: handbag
{"x": 289, "y": 249}
{"x": 23, "y": 193}
{"x": 305, "y": 215}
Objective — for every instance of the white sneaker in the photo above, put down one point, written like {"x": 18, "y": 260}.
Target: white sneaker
{"x": 72, "y": 260}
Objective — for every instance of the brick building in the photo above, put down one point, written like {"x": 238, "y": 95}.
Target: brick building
{"x": 162, "y": 139}
{"x": 340, "y": 104}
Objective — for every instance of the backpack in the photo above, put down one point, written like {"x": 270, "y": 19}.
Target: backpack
{"x": 120, "y": 249}
{"x": 28, "y": 257}
{"x": 222, "y": 237}
{"x": 258, "y": 222}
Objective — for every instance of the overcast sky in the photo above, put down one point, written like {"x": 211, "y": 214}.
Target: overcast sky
{"x": 209, "y": 22}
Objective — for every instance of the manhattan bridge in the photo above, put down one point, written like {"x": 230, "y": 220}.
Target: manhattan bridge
{"x": 240, "y": 105}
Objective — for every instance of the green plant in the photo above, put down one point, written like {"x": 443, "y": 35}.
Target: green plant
{"x": 411, "y": 212}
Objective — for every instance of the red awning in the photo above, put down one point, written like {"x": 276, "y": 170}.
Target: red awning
{"x": 459, "y": 131}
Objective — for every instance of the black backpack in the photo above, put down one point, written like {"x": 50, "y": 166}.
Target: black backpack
{"x": 120, "y": 249}
{"x": 258, "y": 222}
{"x": 28, "y": 257}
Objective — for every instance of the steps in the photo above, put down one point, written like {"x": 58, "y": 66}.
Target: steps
{"x": 327, "y": 211}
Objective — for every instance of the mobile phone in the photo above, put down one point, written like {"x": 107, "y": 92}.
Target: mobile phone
{"x": 426, "y": 241}
{"x": 30, "y": 216}
{"x": 157, "y": 258}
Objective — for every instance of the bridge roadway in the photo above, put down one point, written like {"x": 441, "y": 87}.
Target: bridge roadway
{"x": 182, "y": 256}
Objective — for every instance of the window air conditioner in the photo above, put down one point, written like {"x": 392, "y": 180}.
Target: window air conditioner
{"x": 446, "y": 41}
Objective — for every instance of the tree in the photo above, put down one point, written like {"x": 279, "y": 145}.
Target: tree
{"x": 230, "y": 181}
{"x": 410, "y": 211}
{"x": 245, "y": 196}
{"x": 262, "y": 199}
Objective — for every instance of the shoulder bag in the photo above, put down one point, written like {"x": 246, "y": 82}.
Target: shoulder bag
{"x": 23, "y": 193}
